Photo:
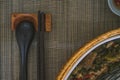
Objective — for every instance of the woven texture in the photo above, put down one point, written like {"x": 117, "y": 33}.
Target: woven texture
{"x": 74, "y": 22}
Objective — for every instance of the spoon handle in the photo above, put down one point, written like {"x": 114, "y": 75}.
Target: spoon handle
{"x": 23, "y": 64}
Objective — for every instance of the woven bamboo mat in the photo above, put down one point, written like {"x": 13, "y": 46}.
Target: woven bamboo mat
{"x": 74, "y": 22}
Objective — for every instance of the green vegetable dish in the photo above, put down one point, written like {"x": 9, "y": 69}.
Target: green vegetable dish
{"x": 103, "y": 63}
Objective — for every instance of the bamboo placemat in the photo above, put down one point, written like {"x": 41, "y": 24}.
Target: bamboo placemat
{"x": 74, "y": 22}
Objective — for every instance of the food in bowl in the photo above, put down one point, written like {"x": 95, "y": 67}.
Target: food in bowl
{"x": 117, "y": 3}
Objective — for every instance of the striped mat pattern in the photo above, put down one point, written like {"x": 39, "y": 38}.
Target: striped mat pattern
{"x": 74, "y": 22}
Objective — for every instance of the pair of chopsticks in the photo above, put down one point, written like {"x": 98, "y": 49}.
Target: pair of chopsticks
{"x": 44, "y": 25}
{"x": 40, "y": 46}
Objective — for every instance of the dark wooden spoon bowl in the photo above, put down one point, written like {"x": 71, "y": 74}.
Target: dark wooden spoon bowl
{"x": 24, "y": 35}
